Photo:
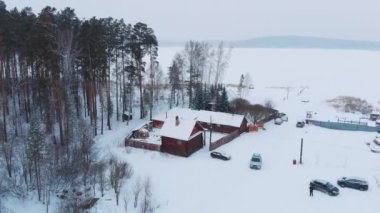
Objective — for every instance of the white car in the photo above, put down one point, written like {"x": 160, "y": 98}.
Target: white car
{"x": 278, "y": 121}
{"x": 256, "y": 161}
{"x": 283, "y": 116}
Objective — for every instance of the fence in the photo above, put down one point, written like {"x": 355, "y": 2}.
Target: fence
{"x": 268, "y": 118}
{"x": 142, "y": 145}
{"x": 350, "y": 126}
{"x": 226, "y": 139}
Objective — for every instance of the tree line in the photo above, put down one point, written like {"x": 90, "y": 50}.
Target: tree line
{"x": 196, "y": 76}
{"x": 57, "y": 74}
{"x": 61, "y": 81}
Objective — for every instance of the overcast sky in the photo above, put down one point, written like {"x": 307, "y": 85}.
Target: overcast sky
{"x": 233, "y": 19}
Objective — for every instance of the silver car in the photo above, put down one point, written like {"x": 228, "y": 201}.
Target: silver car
{"x": 256, "y": 161}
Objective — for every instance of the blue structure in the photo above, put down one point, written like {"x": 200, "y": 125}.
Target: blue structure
{"x": 350, "y": 126}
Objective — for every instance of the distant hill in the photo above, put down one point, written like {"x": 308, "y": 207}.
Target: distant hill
{"x": 171, "y": 43}
{"x": 306, "y": 42}
{"x": 292, "y": 42}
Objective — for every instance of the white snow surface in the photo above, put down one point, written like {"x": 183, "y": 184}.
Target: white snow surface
{"x": 221, "y": 118}
{"x": 201, "y": 184}
{"x": 203, "y": 116}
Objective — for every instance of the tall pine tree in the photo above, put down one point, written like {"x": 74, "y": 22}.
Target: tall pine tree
{"x": 223, "y": 104}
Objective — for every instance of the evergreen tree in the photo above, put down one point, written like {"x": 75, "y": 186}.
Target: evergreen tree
{"x": 174, "y": 81}
{"x": 223, "y": 104}
{"x": 198, "y": 98}
{"x": 207, "y": 97}
{"x": 241, "y": 85}
{"x": 35, "y": 151}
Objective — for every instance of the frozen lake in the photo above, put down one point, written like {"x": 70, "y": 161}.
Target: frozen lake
{"x": 327, "y": 72}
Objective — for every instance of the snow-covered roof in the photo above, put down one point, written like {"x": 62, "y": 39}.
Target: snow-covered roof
{"x": 221, "y": 118}
{"x": 182, "y": 131}
{"x": 182, "y": 113}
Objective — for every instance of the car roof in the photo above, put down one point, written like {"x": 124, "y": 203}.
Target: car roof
{"x": 355, "y": 178}
{"x": 320, "y": 181}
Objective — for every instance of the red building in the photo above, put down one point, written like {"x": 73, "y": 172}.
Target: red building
{"x": 181, "y": 137}
{"x": 218, "y": 121}
{"x": 222, "y": 122}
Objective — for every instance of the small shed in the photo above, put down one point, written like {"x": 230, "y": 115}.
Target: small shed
{"x": 127, "y": 116}
{"x": 140, "y": 133}
{"x": 181, "y": 137}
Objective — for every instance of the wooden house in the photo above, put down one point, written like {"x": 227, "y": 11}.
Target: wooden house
{"x": 222, "y": 122}
{"x": 181, "y": 137}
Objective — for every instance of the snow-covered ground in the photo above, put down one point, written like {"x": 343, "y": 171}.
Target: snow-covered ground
{"x": 202, "y": 184}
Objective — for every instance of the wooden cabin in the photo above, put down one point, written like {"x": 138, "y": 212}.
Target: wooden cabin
{"x": 181, "y": 137}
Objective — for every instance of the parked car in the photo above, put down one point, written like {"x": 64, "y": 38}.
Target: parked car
{"x": 282, "y": 116}
{"x": 278, "y": 121}
{"x": 256, "y": 161}
{"x": 377, "y": 122}
{"x": 219, "y": 155}
{"x": 353, "y": 182}
{"x": 300, "y": 124}
{"x": 325, "y": 187}
{"x": 377, "y": 141}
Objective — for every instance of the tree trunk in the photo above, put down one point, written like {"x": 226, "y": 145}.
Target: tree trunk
{"x": 4, "y": 101}
{"x": 94, "y": 108}
{"x": 151, "y": 88}
{"x": 108, "y": 91}
{"x": 142, "y": 114}
{"x": 124, "y": 95}
{"x": 101, "y": 107}
{"x": 117, "y": 90}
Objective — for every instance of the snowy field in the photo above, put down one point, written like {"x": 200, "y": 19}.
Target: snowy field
{"x": 202, "y": 184}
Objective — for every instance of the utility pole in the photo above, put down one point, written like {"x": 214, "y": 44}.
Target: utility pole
{"x": 301, "y": 150}
{"x": 210, "y": 131}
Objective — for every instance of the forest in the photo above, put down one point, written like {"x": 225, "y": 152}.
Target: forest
{"x": 63, "y": 80}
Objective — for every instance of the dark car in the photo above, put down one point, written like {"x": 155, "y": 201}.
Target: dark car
{"x": 377, "y": 141}
{"x": 325, "y": 187}
{"x": 219, "y": 155}
{"x": 300, "y": 124}
{"x": 354, "y": 183}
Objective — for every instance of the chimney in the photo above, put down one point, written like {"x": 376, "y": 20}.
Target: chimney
{"x": 176, "y": 120}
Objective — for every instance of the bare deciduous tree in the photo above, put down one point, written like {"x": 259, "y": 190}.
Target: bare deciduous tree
{"x": 146, "y": 204}
{"x": 8, "y": 150}
{"x": 269, "y": 104}
{"x": 101, "y": 171}
{"x": 119, "y": 171}
{"x": 137, "y": 188}
{"x": 221, "y": 62}
{"x": 126, "y": 199}
{"x": 247, "y": 84}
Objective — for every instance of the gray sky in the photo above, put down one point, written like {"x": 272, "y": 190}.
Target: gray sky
{"x": 233, "y": 19}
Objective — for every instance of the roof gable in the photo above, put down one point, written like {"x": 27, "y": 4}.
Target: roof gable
{"x": 182, "y": 131}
